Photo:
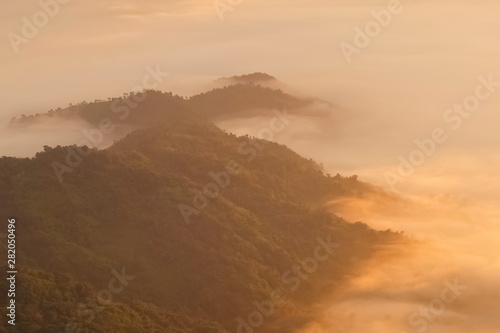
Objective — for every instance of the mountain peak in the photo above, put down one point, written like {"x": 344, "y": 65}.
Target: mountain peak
{"x": 257, "y": 77}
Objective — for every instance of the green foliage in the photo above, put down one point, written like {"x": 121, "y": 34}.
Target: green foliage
{"x": 151, "y": 107}
{"x": 119, "y": 208}
{"x": 242, "y": 97}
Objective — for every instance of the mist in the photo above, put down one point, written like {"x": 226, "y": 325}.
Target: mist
{"x": 25, "y": 140}
{"x": 406, "y": 286}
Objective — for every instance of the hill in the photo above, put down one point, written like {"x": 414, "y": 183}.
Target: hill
{"x": 179, "y": 227}
{"x": 237, "y": 100}
{"x": 240, "y": 96}
{"x": 255, "y": 78}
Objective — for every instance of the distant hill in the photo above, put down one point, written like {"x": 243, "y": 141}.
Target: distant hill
{"x": 118, "y": 210}
{"x": 254, "y": 78}
{"x": 243, "y": 100}
{"x": 137, "y": 109}
{"x": 242, "y": 96}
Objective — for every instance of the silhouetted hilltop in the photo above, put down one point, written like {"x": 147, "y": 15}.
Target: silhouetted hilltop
{"x": 239, "y": 99}
{"x": 255, "y": 78}
{"x": 139, "y": 109}
{"x": 242, "y": 99}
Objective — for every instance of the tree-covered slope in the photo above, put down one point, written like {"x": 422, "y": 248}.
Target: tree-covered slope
{"x": 234, "y": 99}
{"x": 179, "y": 227}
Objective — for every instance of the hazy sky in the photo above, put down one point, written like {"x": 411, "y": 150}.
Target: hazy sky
{"x": 101, "y": 47}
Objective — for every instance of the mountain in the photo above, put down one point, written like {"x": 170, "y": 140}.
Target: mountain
{"x": 240, "y": 96}
{"x": 254, "y": 78}
{"x": 237, "y": 100}
{"x": 179, "y": 227}
{"x": 138, "y": 109}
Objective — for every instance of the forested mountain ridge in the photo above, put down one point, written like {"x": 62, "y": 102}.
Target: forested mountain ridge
{"x": 236, "y": 98}
{"x": 116, "y": 223}
{"x": 256, "y": 78}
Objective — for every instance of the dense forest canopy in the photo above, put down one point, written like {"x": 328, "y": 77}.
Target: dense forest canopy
{"x": 119, "y": 215}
